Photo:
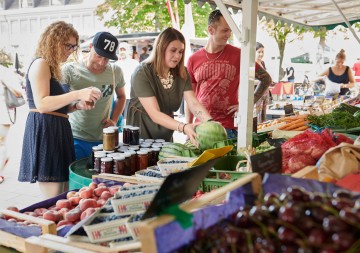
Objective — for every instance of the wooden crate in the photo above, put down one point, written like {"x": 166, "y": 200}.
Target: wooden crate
{"x": 18, "y": 243}
{"x": 309, "y": 172}
{"x": 147, "y": 230}
{"x": 48, "y": 243}
{"x": 121, "y": 178}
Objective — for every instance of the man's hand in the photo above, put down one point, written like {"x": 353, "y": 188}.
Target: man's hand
{"x": 232, "y": 109}
{"x": 108, "y": 122}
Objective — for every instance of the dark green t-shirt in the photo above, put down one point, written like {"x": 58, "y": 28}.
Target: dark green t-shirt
{"x": 145, "y": 83}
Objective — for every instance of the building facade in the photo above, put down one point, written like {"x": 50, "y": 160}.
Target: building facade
{"x": 22, "y": 22}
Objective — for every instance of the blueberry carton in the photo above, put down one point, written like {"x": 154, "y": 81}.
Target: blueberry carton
{"x": 103, "y": 227}
{"x": 171, "y": 165}
{"x": 149, "y": 176}
{"x": 133, "y": 224}
{"x": 133, "y": 201}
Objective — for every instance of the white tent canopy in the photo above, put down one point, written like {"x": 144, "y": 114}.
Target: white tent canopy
{"x": 308, "y": 13}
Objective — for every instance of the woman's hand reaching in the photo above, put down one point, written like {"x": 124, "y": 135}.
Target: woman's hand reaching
{"x": 189, "y": 130}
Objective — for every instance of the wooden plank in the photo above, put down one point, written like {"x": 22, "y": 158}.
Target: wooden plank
{"x": 47, "y": 227}
{"x": 12, "y": 241}
{"x": 119, "y": 178}
{"x": 89, "y": 246}
{"x": 41, "y": 245}
{"x": 147, "y": 229}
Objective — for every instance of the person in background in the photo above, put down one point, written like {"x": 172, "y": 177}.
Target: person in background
{"x": 339, "y": 73}
{"x": 144, "y": 54}
{"x": 48, "y": 148}
{"x": 11, "y": 80}
{"x": 261, "y": 105}
{"x": 217, "y": 90}
{"x": 128, "y": 66}
{"x": 289, "y": 74}
{"x": 157, "y": 88}
{"x": 356, "y": 69}
{"x": 95, "y": 70}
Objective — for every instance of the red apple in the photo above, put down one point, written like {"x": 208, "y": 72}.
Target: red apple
{"x": 105, "y": 195}
{"x": 93, "y": 185}
{"x": 87, "y": 193}
{"x": 70, "y": 194}
{"x": 75, "y": 200}
{"x": 64, "y": 223}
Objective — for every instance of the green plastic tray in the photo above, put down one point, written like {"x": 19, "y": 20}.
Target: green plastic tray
{"x": 213, "y": 180}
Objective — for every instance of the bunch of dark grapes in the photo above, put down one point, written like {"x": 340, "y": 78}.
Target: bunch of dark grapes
{"x": 295, "y": 221}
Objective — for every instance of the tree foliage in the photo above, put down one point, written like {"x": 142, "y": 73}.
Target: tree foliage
{"x": 5, "y": 58}
{"x": 130, "y": 16}
{"x": 280, "y": 31}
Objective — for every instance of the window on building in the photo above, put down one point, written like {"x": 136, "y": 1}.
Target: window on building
{"x": 25, "y": 3}
{"x": 57, "y": 2}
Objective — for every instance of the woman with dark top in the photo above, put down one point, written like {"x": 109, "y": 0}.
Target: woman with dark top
{"x": 261, "y": 104}
{"x": 48, "y": 147}
{"x": 340, "y": 73}
{"x": 158, "y": 86}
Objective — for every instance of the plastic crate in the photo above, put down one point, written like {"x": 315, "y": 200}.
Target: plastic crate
{"x": 227, "y": 142}
{"x": 213, "y": 179}
{"x": 228, "y": 162}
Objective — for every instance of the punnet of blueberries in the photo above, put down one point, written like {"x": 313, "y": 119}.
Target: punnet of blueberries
{"x": 125, "y": 239}
{"x": 137, "y": 194}
{"x": 101, "y": 219}
{"x": 173, "y": 161}
{"x": 148, "y": 173}
{"x": 135, "y": 217}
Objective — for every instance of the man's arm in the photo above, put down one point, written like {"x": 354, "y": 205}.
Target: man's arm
{"x": 119, "y": 104}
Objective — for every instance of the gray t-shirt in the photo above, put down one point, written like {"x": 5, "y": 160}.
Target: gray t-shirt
{"x": 86, "y": 125}
{"x": 145, "y": 83}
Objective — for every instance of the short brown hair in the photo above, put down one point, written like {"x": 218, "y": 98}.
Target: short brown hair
{"x": 157, "y": 57}
{"x": 214, "y": 17}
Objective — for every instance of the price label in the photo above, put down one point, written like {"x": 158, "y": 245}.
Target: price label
{"x": 267, "y": 162}
{"x": 289, "y": 110}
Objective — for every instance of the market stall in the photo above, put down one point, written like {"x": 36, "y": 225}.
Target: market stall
{"x": 160, "y": 207}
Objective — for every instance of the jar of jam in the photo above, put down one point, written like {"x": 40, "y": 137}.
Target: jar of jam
{"x": 142, "y": 160}
{"x": 134, "y": 147}
{"x": 119, "y": 165}
{"x": 106, "y": 165}
{"x": 116, "y": 134}
{"x": 126, "y": 134}
{"x": 94, "y": 149}
{"x": 127, "y": 164}
{"x": 97, "y": 161}
{"x": 108, "y": 139}
{"x": 134, "y": 136}
{"x": 154, "y": 155}
{"x": 133, "y": 161}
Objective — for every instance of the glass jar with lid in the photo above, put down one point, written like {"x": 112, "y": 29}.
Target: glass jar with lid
{"x": 142, "y": 160}
{"x": 106, "y": 165}
{"x": 126, "y": 134}
{"x": 134, "y": 136}
{"x": 119, "y": 165}
{"x": 108, "y": 139}
{"x": 116, "y": 134}
{"x": 94, "y": 149}
{"x": 127, "y": 164}
{"x": 97, "y": 160}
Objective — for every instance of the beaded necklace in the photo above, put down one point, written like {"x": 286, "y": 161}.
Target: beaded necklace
{"x": 168, "y": 81}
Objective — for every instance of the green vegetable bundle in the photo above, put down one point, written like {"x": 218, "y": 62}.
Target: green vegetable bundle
{"x": 336, "y": 119}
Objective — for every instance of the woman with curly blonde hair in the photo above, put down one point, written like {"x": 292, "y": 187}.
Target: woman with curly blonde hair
{"x": 48, "y": 142}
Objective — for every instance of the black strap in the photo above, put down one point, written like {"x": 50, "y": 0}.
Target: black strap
{"x": 14, "y": 119}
